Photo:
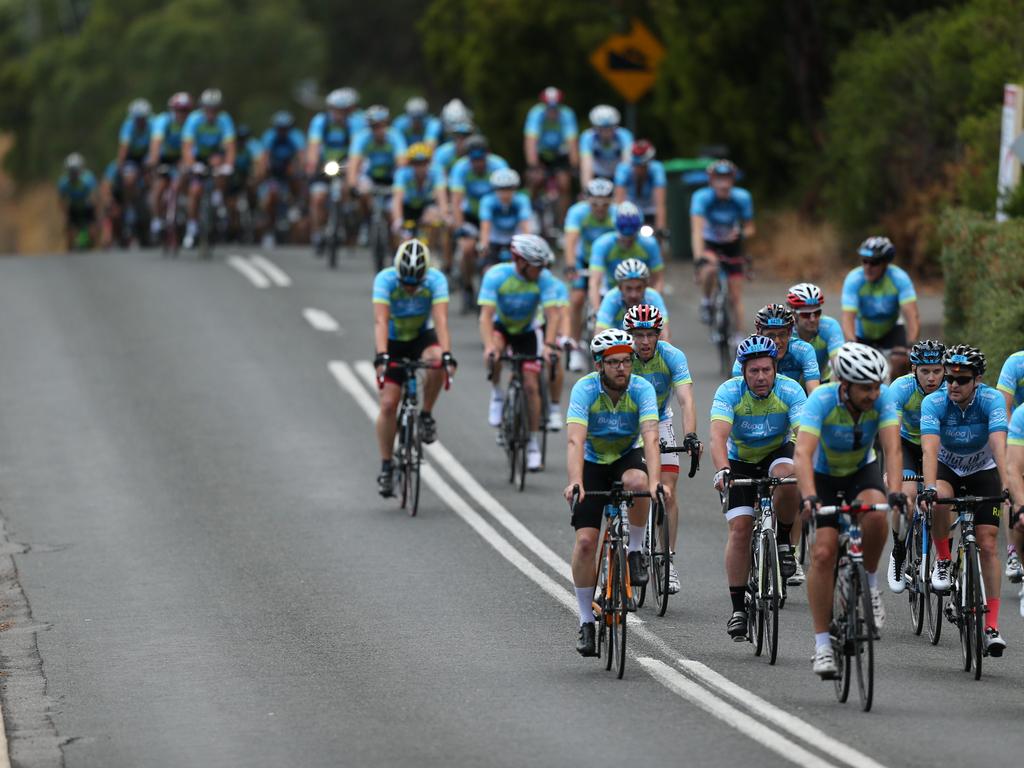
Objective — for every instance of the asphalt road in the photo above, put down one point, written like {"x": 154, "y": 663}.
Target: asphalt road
{"x": 196, "y": 568}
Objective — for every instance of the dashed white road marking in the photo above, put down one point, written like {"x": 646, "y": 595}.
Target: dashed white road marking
{"x": 277, "y": 275}
{"x": 320, "y": 320}
{"x": 250, "y": 272}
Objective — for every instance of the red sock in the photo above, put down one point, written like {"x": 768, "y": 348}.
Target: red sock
{"x": 992, "y": 615}
{"x": 942, "y": 549}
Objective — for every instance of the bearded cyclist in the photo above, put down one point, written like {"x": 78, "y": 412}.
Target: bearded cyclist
{"x": 626, "y": 242}
{"x": 604, "y": 145}
{"x": 609, "y": 410}
{"x": 835, "y": 457}
{"x": 632, "y": 288}
{"x": 822, "y": 332}
{"x": 665, "y": 367}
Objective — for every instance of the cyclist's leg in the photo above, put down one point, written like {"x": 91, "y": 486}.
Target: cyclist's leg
{"x": 941, "y": 513}
{"x": 435, "y": 377}
{"x": 707, "y": 272}
{"x": 530, "y": 343}
{"x": 564, "y": 180}
{"x": 987, "y": 519}
{"x": 634, "y": 478}
{"x": 739, "y": 517}
{"x": 586, "y": 520}
{"x": 318, "y": 189}
{"x": 430, "y": 219}
{"x": 821, "y": 579}
{"x": 911, "y": 465}
{"x": 670, "y": 478}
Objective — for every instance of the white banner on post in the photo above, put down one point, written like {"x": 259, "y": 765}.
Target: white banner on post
{"x": 1009, "y": 163}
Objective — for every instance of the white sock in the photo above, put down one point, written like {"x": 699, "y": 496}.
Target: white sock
{"x": 555, "y": 407}
{"x": 584, "y": 599}
{"x": 636, "y": 537}
{"x": 497, "y": 394}
{"x": 873, "y": 579}
{"x": 822, "y": 640}
{"x": 535, "y": 440}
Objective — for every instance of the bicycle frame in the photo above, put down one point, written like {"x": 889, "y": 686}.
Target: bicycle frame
{"x": 764, "y": 521}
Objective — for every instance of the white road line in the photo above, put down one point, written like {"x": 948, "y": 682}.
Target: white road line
{"x": 277, "y": 275}
{"x": 320, "y": 320}
{"x": 250, "y": 272}
{"x": 742, "y": 722}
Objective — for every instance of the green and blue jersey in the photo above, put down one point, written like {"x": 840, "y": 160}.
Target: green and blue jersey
{"x": 641, "y": 192}
{"x": 382, "y": 157}
{"x": 281, "y": 148}
{"x": 1011, "y": 378}
{"x": 207, "y": 137}
{"x": 608, "y": 252}
{"x": 410, "y": 312}
{"x": 471, "y": 184}
{"x": 760, "y": 425}
{"x": 826, "y": 343}
{"x": 964, "y": 432}
{"x": 552, "y": 132}
{"x": 844, "y": 446}
{"x": 504, "y": 219}
{"x": 135, "y": 135}
{"x": 877, "y": 304}
{"x": 334, "y": 138}
{"x": 613, "y": 309}
{"x": 605, "y": 157}
{"x": 722, "y": 215}
{"x": 416, "y": 130}
{"x": 168, "y": 132}
{"x": 907, "y": 396}
{"x": 666, "y": 370}
{"x": 77, "y": 193}
{"x": 580, "y": 218}
{"x": 516, "y": 300}
{"x": 613, "y": 429}
{"x": 416, "y": 193}
{"x": 1015, "y": 432}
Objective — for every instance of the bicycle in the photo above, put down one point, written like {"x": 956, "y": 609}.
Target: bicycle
{"x": 657, "y": 542}
{"x": 967, "y": 604}
{"x": 923, "y": 602}
{"x": 514, "y": 432}
{"x": 409, "y": 449}
{"x": 722, "y": 322}
{"x": 852, "y": 628}
{"x": 336, "y": 229}
{"x": 379, "y": 235}
{"x": 613, "y": 596}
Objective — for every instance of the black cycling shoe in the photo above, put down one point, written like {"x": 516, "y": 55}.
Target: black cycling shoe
{"x": 787, "y": 562}
{"x": 637, "y": 568}
{"x": 428, "y": 428}
{"x": 585, "y": 643}
{"x": 386, "y": 483}
{"x": 737, "y": 626}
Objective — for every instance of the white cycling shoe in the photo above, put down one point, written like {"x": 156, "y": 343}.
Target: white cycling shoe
{"x": 941, "y": 581}
{"x": 555, "y": 419}
{"x": 798, "y": 577}
{"x": 534, "y": 460}
{"x": 577, "y": 361}
{"x": 494, "y": 410}
{"x": 895, "y": 576}
{"x": 824, "y": 663}
{"x": 1014, "y": 572}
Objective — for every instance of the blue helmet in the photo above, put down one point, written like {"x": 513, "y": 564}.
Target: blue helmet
{"x": 282, "y": 119}
{"x": 756, "y": 346}
{"x": 628, "y": 219}
{"x": 927, "y": 352}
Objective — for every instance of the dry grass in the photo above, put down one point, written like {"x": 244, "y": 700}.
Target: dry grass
{"x": 30, "y": 218}
{"x": 792, "y": 248}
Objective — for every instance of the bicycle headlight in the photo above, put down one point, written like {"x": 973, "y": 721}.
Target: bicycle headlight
{"x": 332, "y": 168}
{"x": 646, "y": 230}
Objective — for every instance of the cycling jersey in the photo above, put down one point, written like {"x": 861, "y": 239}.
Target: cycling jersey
{"x": 281, "y": 149}
{"x": 606, "y": 157}
{"x": 613, "y": 308}
{"x": 613, "y": 429}
{"x": 1015, "y": 432}
{"x": 443, "y": 160}
{"x": 504, "y": 219}
{"x": 517, "y": 300}
{"x": 825, "y": 344}
{"x": 416, "y": 193}
{"x": 207, "y": 138}
{"x": 473, "y": 185}
{"x": 334, "y": 138}
{"x": 843, "y": 446}
{"x": 907, "y": 395}
{"x": 799, "y": 363}
{"x": 1011, "y": 378}
{"x": 410, "y": 312}
{"x": 666, "y": 370}
{"x": 77, "y": 193}
{"x": 964, "y": 432}
{"x": 641, "y": 193}
{"x": 722, "y": 216}
{"x": 877, "y": 304}
{"x": 135, "y": 137}
{"x": 608, "y": 252}
{"x": 246, "y": 156}
{"x": 428, "y": 130}
{"x": 381, "y": 158}
{"x": 760, "y": 425}
{"x": 552, "y": 133}
{"x": 168, "y": 132}
{"x": 580, "y": 218}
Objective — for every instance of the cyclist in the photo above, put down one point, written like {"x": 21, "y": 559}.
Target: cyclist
{"x": 414, "y": 195}
{"x": 1015, "y": 481}
{"x": 753, "y": 418}
{"x": 584, "y": 223}
{"x": 874, "y": 295}
{"x": 835, "y": 456}
{"x": 376, "y": 153}
{"x": 641, "y": 179}
{"x": 454, "y": 113}
{"x": 1011, "y": 384}
{"x": 550, "y": 146}
{"x": 822, "y": 332}
{"x": 721, "y": 219}
{"x": 511, "y": 294}
{"x": 626, "y": 242}
{"x": 505, "y": 212}
{"x": 907, "y": 392}
{"x": 208, "y": 137}
{"x": 241, "y": 185}
{"x": 417, "y": 125}
{"x": 77, "y": 191}
{"x": 329, "y": 137}
{"x": 796, "y": 357}
{"x": 410, "y": 320}
{"x": 134, "y": 135}
{"x": 632, "y": 278}
{"x": 562, "y": 342}
{"x": 468, "y": 182}
{"x": 165, "y": 155}
{"x": 283, "y": 149}
{"x": 609, "y": 410}
{"x": 963, "y": 445}
{"x": 604, "y": 145}
{"x": 444, "y": 160}
{"x": 665, "y": 367}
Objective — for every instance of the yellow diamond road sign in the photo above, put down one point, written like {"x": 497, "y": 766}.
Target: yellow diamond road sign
{"x": 630, "y": 62}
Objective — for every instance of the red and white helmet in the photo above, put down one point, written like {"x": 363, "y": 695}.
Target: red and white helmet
{"x": 550, "y": 96}
{"x": 180, "y": 100}
{"x": 643, "y": 316}
{"x": 805, "y": 296}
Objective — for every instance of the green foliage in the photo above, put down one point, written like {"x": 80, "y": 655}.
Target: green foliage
{"x": 984, "y": 299}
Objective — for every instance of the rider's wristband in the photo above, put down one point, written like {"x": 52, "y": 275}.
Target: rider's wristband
{"x": 382, "y": 358}
{"x": 448, "y": 361}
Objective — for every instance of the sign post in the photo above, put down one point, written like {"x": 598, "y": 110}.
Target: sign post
{"x": 629, "y": 63}
{"x": 1010, "y": 146}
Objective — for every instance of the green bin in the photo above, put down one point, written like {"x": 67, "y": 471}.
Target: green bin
{"x": 683, "y": 176}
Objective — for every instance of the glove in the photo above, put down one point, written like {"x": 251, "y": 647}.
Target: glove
{"x": 811, "y": 502}
{"x": 722, "y": 477}
{"x": 382, "y": 358}
{"x": 691, "y": 442}
{"x": 928, "y": 495}
{"x": 448, "y": 361}
{"x": 898, "y": 501}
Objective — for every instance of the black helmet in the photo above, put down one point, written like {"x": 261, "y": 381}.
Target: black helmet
{"x": 773, "y": 316}
{"x": 243, "y": 131}
{"x": 877, "y": 249}
{"x": 966, "y": 356}
{"x": 476, "y": 146}
{"x": 927, "y": 352}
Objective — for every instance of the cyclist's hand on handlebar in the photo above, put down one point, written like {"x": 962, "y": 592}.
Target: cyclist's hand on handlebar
{"x": 664, "y": 490}
{"x": 928, "y": 495}
{"x": 380, "y": 363}
{"x": 692, "y": 443}
{"x": 809, "y": 505}
{"x": 490, "y": 355}
{"x": 448, "y": 361}
{"x": 572, "y": 490}
{"x": 721, "y": 479}
{"x": 898, "y": 500}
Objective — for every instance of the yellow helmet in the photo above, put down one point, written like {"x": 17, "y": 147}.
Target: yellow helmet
{"x": 419, "y": 152}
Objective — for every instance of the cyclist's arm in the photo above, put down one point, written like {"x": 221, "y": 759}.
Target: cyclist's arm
{"x": 697, "y": 235}
{"x": 594, "y": 283}
{"x": 658, "y": 280}
{"x": 485, "y": 232}
{"x": 929, "y": 458}
{"x": 719, "y": 443}
{"x": 230, "y": 152}
{"x": 188, "y": 153}
{"x": 154, "y": 151}
{"x": 890, "y": 439}
{"x": 381, "y": 320}
{"x": 487, "y": 326}
{"x": 355, "y": 165}
{"x": 456, "y": 208}
{"x": 688, "y": 407}
{"x": 122, "y": 153}
{"x": 577, "y": 436}
{"x": 997, "y": 444}
{"x": 553, "y": 325}
{"x": 660, "y": 217}
{"x": 652, "y": 452}
{"x": 749, "y": 230}
{"x": 530, "y": 151}
{"x": 849, "y": 323}
{"x": 620, "y": 194}
{"x": 574, "y": 152}
{"x": 586, "y": 169}
{"x": 803, "y": 462}
{"x": 1015, "y": 473}
{"x": 439, "y": 313}
{"x": 397, "y": 195}
{"x": 912, "y": 316}
{"x": 570, "y": 247}
{"x": 313, "y": 157}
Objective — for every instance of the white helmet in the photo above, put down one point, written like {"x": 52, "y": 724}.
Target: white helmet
{"x": 342, "y": 98}
{"x": 412, "y": 260}
{"x": 504, "y": 178}
{"x": 211, "y": 98}
{"x": 631, "y": 269}
{"x": 140, "y": 108}
{"x": 604, "y": 115}
{"x": 74, "y": 162}
{"x": 533, "y": 249}
{"x": 610, "y": 338}
{"x": 600, "y": 188}
{"x": 416, "y": 107}
{"x": 860, "y": 364}
{"x": 455, "y": 112}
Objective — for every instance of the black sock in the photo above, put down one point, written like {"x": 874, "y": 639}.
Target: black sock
{"x": 424, "y": 414}
{"x": 784, "y": 531}
{"x": 737, "y": 594}
{"x": 385, "y": 465}
{"x": 896, "y": 540}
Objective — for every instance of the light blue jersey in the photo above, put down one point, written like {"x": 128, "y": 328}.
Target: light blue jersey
{"x": 964, "y": 433}
{"x": 281, "y": 148}
{"x": 426, "y": 129}
{"x": 135, "y": 135}
{"x": 1015, "y": 433}
{"x": 471, "y": 184}
{"x": 723, "y": 216}
{"x": 553, "y": 132}
{"x": 208, "y": 137}
{"x": 1011, "y": 378}
{"x": 907, "y": 396}
{"x": 505, "y": 219}
{"x": 799, "y": 363}
{"x": 605, "y": 156}
{"x": 410, "y": 311}
{"x": 760, "y": 425}
{"x": 581, "y": 218}
{"x": 168, "y": 132}
{"x": 416, "y": 193}
{"x": 641, "y": 191}
{"x": 844, "y": 446}
{"x": 608, "y": 251}
{"x": 443, "y": 160}
{"x": 613, "y": 307}
{"x": 613, "y": 429}
{"x": 517, "y": 300}
{"x": 382, "y": 157}
{"x": 78, "y": 193}
{"x": 666, "y": 370}
{"x": 877, "y": 304}
{"x": 826, "y": 344}
{"x": 334, "y": 139}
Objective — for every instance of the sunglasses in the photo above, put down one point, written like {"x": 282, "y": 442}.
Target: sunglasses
{"x": 871, "y": 262}
{"x": 812, "y": 313}
{"x": 619, "y": 363}
{"x": 963, "y": 381}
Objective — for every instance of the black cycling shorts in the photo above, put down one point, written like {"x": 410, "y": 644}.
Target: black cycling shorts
{"x": 599, "y": 477}
{"x": 526, "y": 343}
{"x": 829, "y": 487}
{"x": 81, "y": 216}
{"x": 413, "y": 212}
{"x": 730, "y": 256}
{"x": 911, "y": 457}
{"x": 895, "y": 337}
{"x": 412, "y": 350}
{"x": 983, "y": 483}
{"x": 746, "y": 496}
{"x": 555, "y": 163}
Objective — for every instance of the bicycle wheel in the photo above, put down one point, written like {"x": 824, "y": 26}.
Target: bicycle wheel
{"x": 756, "y": 592}
{"x": 975, "y": 607}
{"x": 862, "y": 618}
{"x": 610, "y": 595}
{"x": 508, "y": 430}
{"x": 771, "y": 585}
{"x": 661, "y": 557}
{"x": 619, "y": 616}
{"x": 401, "y": 458}
{"x": 840, "y": 632}
{"x": 958, "y": 598}
{"x": 522, "y": 437}
{"x": 600, "y": 591}
{"x": 648, "y": 550}
{"x": 379, "y": 242}
{"x": 912, "y": 568}
{"x": 932, "y": 601}
{"x": 804, "y": 529}
{"x": 414, "y": 455}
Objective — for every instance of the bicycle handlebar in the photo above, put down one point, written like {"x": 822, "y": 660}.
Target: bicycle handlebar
{"x": 851, "y": 509}
{"x": 694, "y": 455}
{"x": 769, "y": 481}
{"x": 492, "y": 360}
{"x": 411, "y": 366}
{"x": 967, "y": 501}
